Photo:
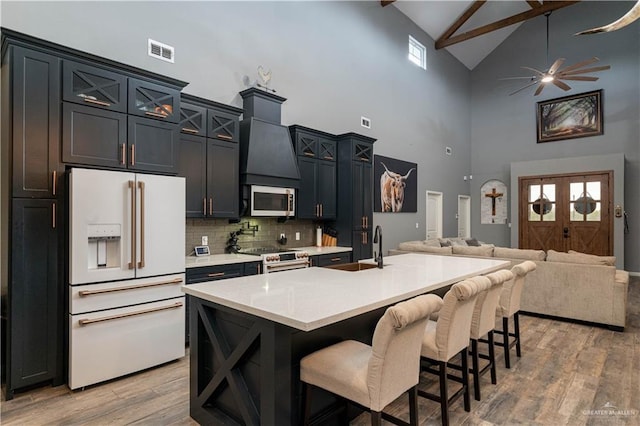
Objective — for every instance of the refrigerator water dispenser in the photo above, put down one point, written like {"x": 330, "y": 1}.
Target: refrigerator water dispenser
{"x": 104, "y": 246}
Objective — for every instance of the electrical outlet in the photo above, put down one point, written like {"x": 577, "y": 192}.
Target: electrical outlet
{"x": 417, "y": 225}
{"x": 205, "y": 240}
{"x": 282, "y": 236}
{"x": 297, "y": 236}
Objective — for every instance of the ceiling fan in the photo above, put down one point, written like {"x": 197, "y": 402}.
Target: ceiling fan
{"x": 556, "y": 75}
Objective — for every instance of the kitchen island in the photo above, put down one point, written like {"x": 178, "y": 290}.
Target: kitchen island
{"x": 251, "y": 332}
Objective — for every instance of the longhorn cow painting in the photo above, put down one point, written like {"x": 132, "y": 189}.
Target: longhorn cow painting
{"x": 395, "y": 185}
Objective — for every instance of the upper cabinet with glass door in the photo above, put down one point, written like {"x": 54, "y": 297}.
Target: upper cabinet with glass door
{"x": 154, "y": 101}
{"x": 93, "y": 86}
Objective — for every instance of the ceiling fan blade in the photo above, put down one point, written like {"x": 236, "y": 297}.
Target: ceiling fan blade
{"x": 561, "y": 85}
{"x": 534, "y": 70}
{"x": 580, "y": 64}
{"x": 539, "y": 90}
{"x": 585, "y": 70}
{"x": 557, "y": 64}
{"x": 578, "y": 78}
{"x": 530, "y": 77}
{"x": 522, "y": 88}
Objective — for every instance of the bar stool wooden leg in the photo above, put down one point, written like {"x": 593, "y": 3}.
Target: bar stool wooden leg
{"x": 475, "y": 365}
{"x": 444, "y": 393}
{"x": 376, "y": 418}
{"x": 413, "y": 406}
{"x": 516, "y": 326}
{"x": 465, "y": 380}
{"x": 505, "y": 336}
{"x": 306, "y": 402}
{"x": 492, "y": 358}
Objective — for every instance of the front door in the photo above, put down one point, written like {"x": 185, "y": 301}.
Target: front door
{"x": 567, "y": 212}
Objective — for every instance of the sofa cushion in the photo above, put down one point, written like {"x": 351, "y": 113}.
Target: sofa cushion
{"x": 411, "y": 245}
{"x": 437, "y": 250}
{"x": 473, "y": 251}
{"x": 432, "y": 242}
{"x": 514, "y": 253}
{"x": 577, "y": 257}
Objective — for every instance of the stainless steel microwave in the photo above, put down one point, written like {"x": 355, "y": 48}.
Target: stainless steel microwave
{"x": 272, "y": 201}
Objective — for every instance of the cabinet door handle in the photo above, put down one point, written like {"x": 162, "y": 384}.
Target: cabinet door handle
{"x": 309, "y": 154}
{"x": 224, "y": 137}
{"x": 204, "y": 206}
{"x": 317, "y": 210}
{"x": 362, "y": 221}
{"x": 321, "y": 213}
{"x": 155, "y": 114}
{"x": 131, "y": 314}
{"x": 84, "y": 293}
{"x": 53, "y": 216}
{"x": 259, "y": 268}
{"x": 97, "y": 102}
{"x": 187, "y": 130}
{"x": 328, "y": 157}
{"x": 132, "y": 259}
{"x": 55, "y": 181}
{"x": 217, "y": 274}
{"x": 133, "y": 155}
{"x": 123, "y": 153}
{"x": 210, "y": 206}
{"x": 335, "y": 259}
{"x": 141, "y": 262}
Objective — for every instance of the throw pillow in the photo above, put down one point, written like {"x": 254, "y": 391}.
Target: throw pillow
{"x": 472, "y": 242}
{"x": 445, "y": 243}
{"x": 514, "y": 253}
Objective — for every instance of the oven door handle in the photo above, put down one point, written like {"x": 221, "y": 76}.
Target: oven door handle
{"x": 288, "y": 264}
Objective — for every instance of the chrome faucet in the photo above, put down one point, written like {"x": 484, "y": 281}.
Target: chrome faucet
{"x": 377, "y": 238}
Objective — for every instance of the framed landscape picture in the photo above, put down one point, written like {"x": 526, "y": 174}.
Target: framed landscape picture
{"x": 575, "y": 116}
{"x": 395, "y": 184}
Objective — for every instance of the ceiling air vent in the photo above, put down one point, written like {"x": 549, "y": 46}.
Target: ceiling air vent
{"x": 161, "y": 51}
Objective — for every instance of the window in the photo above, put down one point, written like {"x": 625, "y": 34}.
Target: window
{"x": 417, "y": 53}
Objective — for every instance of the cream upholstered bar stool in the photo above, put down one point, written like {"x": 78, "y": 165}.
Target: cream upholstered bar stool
{"x": 448, "y": 336}
{"x": 374, "y": 376}
{"x": 483, "y": 323}
{"x": 509, "y": 306}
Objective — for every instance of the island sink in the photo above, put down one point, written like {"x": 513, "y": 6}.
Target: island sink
{"x": 352, "y": 267}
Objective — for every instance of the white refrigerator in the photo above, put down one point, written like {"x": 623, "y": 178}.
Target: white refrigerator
{"x": 126, "y": 269}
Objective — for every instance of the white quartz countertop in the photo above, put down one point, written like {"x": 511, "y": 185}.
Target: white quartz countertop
{"x": 311, "y": 298}
{"x": 226, "y": 259}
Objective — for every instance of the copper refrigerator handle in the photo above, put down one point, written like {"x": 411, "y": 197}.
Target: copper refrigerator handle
{"x": 129, "y": 287}
{"x": 132, "y": 261}
{"x": 133, "y": 155}
{"x": 123, "y": 153}
{"x": 321, "y": 214}
{"x": 204, "y": 206}
{"x": 141, "y": 262}
{"x": 317, "y": 210}
{"x": 131, "y": 314}
{"x": 210, "y": 206}
{"x": 53, "y": 216}
{"x": 55, "y": 181}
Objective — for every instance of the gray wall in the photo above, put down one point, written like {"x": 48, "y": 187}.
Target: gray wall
{"x": 503, "y": 127}
{"x": 334, "y": 61}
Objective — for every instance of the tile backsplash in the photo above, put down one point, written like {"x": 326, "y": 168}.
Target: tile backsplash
{"x": 267, "y": 235}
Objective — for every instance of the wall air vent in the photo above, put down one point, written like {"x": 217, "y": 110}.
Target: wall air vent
{"x": 161, "y": 51}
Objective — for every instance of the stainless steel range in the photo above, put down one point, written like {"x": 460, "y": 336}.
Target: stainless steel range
{"x": 277, "y": 260}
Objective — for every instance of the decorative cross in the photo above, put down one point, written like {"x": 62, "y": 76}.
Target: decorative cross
{"x": 493, "y": 195}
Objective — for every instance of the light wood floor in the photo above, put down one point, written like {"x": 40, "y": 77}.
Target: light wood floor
{"x": 567, "y": 371}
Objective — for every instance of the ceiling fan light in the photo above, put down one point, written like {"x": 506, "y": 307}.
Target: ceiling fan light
{"x": 547, "y": 79}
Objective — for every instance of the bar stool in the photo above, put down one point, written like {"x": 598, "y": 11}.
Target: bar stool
{"x": 509, "y": 305}
{"x": 374, "y": 376}
{"x": 448, "y": 337}
{"x": 483, "y": 323}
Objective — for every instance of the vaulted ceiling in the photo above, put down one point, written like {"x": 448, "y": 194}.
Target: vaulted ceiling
{"x": 471, "y": 29}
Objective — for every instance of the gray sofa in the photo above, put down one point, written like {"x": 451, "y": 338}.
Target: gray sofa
{"x": 570, "y": 285}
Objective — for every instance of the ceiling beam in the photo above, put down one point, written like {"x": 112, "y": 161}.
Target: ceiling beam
{"x": 462, "y": 19}
{"x": 533, "y": 3}
{"x": 520, "y": 17}
{"x": 386, "y": 2}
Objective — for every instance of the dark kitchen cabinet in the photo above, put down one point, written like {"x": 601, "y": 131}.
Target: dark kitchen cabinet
{"x": 31, "y": 123}
{"x": 93, "y": 86}
{"x": 153, "y": 146}
{"x": 316, "y": 153}
{"x": 34, "y": 305}
{"x": 354, "y": 222}
{"x": 331, "y": 259}
{"x": 210, "y": 164}
{"x": 252, "y": 268}
{"x": 153, "y": 100}
{"x": 94, "y": 137}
